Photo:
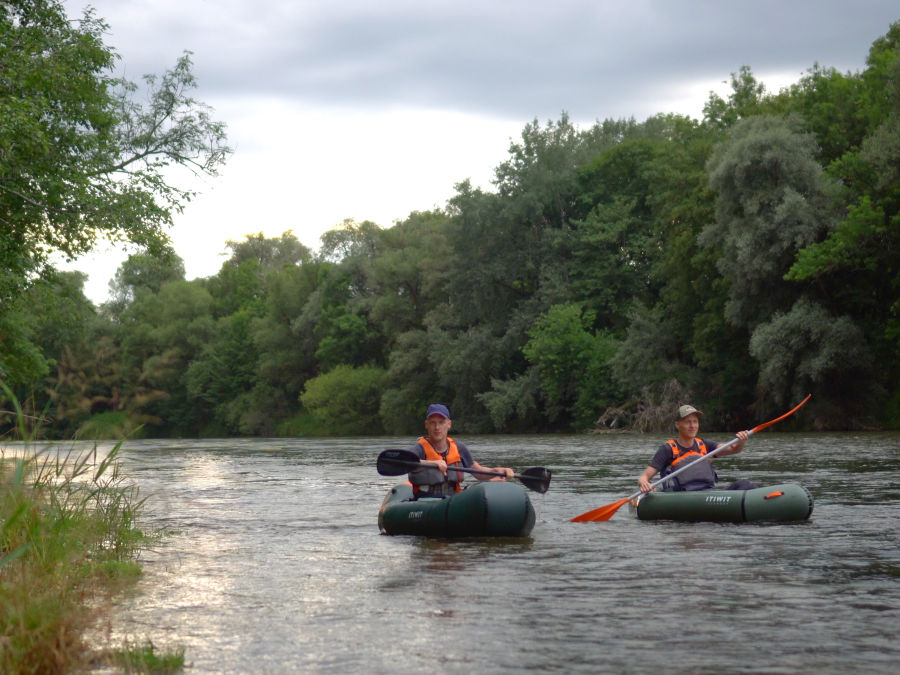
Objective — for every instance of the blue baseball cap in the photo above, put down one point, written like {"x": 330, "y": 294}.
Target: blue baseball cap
{"x": 437, "y": 409}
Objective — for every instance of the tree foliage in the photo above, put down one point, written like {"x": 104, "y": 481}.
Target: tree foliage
{"x": 80, "y": 157}
{"x": 344, "y": 401}
{"x": 772, "y": 201}
{"x": 616, "y": 270}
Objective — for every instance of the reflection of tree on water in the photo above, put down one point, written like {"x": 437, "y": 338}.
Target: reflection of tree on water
{"x": 447, "y": 573}
{"x": 442, "y": 555}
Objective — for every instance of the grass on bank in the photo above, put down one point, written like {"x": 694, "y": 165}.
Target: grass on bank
{"x": 68, "y": 537}
{"x": 143, "y": 658}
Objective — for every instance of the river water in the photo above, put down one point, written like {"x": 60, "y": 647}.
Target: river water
{"x": 273, "y": 563}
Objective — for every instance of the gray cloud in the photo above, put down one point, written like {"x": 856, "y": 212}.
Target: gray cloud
{"x": 518, "y": 60}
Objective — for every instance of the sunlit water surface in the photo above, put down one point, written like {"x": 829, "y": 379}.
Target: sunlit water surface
{"x": 274, "y": 563}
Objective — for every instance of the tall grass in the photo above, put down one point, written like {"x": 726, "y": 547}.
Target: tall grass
{"x": 68, "y": 535}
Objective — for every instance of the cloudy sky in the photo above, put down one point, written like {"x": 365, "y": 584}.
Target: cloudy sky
{"x": 372, "y": 109}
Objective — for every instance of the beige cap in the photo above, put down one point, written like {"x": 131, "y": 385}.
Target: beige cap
{"x": 686, "y": 410}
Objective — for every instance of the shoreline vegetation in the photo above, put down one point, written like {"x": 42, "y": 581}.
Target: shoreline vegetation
{"x": 69, "y": 543}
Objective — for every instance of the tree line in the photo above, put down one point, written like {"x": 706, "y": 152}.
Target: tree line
{"x": 739, "y": 262}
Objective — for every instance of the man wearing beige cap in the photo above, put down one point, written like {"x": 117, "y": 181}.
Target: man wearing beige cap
{"x": 682, "y": 451}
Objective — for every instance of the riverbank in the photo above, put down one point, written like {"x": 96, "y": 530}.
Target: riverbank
{"x": 69, "y": 542}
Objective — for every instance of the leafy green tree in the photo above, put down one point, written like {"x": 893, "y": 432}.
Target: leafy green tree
{"x": 829, "y": 104}
{"x": 807, "y": 349}
{"x": 881, "y": 96}
{"x": 484, "y": 285}
{"x": 286, "y": 355}
{"x": 270, "y": 252}
{"x": 347, "y": 339}
{"x": 572, "y": 365}
{"x": 465, "y": 362}
{"x": 712, "y": 352}
{"x": 81, "y": 157}
{"x": 238, "y": 288}
{"x": 240, "y": 284}
{"x": 855, "y": 268}
{"x": 60, "y": 323}
{"x": 616, "y": 245}
{"x": 748, "y": 97}
{"x": 410, "y": 274}
{"x": 652, "y": 352}
{"x": 345, "y": 400}
{"x": 350, "y": 240}
{"x": 515, "y": 404}
{"x": 161, "y": 335}
{"x": 510, "y": 259}
{"x": 335, "y": 319}
{"x": 142, "y": 273}
{"x": 337, "y": 314}
{"x": 246, "y": 378}
{"x": 21, "y": 360}
{"x": 505, "y": 241}
{"x": 219, "y": 381}
{"x": 410, "y": 383}
{"x": 637, "y": 263}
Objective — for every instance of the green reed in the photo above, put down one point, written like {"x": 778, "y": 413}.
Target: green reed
{"x": 68, "y": 540}
{"x": 143, "y": 658}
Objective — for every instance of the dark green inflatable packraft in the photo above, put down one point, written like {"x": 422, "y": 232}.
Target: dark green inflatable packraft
{"x": 485, "y": 509}
{"x": 782, "y": 503}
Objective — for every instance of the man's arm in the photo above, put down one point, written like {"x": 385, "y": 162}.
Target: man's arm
{"x": 644, "y": 479}
{"x": 737, "y": 447}
{"x": 505, "y": 470}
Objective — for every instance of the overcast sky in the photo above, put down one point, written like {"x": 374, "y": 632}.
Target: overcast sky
{"x": 372, "y": 109}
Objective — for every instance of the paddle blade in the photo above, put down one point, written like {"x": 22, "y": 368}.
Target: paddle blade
{"x": 601, "y": 513}
{"x": 790, "y": 412}
{"x": 536, "y": 478}
{"x": 396, "y": 462}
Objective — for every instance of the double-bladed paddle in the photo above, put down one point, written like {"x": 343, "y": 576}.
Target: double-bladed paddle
{"x": 397, "y": 462}
{"x": 606, "y": 512}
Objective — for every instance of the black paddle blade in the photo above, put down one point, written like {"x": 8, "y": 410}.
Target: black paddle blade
{"x": 536, "y": 478}
{"x": 396, "y": 462}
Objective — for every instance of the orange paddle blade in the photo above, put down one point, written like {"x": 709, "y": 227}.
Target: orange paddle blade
{"x": 790, "y": 412}
{"x": 601, "y": 513}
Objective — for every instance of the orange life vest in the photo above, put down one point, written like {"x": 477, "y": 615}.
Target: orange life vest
{"x": 677, "y": 453}
{"x": 431, "y": 476}
{"x": 700, "y": 476}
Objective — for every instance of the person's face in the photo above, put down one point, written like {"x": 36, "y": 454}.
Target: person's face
{"x": 688, "y": 426}
{"x": 437, "y": 427}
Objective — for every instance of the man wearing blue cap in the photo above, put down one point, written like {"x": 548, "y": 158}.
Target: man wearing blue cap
{"x": 439, "y": 453}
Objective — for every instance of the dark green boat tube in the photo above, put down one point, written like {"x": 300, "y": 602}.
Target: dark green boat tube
{"x": 787, "y": 502}
{"x": 486, "y": 509}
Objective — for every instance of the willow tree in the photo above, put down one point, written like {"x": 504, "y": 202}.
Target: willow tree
{"x": 773, "y": 201}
